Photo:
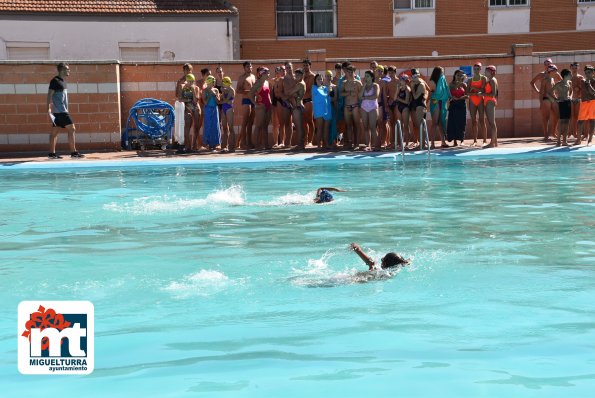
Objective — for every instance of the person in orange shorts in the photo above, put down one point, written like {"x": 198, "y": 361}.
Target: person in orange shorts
{"x": 586, "y": 114}
{"x": 475, "y": 89}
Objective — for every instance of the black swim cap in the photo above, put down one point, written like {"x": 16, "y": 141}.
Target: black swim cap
{"x": 391, "y": 259}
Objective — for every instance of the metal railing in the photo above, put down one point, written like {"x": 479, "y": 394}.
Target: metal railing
{"x": 399, "y": 134}
{"x": 423, "y": 131}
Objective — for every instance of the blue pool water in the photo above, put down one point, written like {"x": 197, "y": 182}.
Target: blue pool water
{"x": 227, "y": 281}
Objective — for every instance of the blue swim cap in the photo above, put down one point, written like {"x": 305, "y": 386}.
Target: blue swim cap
{"x": 325, "y": 196}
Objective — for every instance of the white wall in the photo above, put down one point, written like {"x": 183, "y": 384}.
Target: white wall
{"x": 414, "y": 23}
{"x": 98, "y": 40}
{"x": 509, "y": 20}
{"x": 585, "y": 17}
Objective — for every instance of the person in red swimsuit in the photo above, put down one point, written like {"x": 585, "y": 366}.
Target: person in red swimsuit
{"x": 475, "y": 88}
{"x": 260, "y": 94}
{"x": 457, "y": 110}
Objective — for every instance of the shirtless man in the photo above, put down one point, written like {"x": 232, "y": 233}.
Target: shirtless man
{"x": 390, "y": 91}
{"x": 308, "y": 114}
{"x": 196, "y": 119}
{"x": 296, "y": 100}
{"x": 586, "y": 115}
{"x": 577, "y": 93}
{"x": 545, "y": 104}
{"x": 289, "y": 83}
{"x": 350, "y": 91}
{"x": 243, "y": 87}
{"x": 563, "y": 94}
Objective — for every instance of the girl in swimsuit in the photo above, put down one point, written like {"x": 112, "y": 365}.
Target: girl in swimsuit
{"x": 189, "y": 95}
{"x": 322, "y": 112}
{"x": 475, "y": 89}
{"x": 457, "y": 109}
{"x": 418, "y": 103}
{"x": 211, "y": 129}
{"x": 228, "y": 138}
{"x": 403, "y": 101}
{"x": 369, "y": 111}
{"x": 438, "y": 100}
{"x": 261, "y": 96}
{"x": 490, "y": 98}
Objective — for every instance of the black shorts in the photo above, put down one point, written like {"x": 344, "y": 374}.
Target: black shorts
{"x": 565, "y": 109}
{"x": 62, "y": 120}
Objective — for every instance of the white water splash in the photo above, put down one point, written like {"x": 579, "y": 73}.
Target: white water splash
{"x": 232, "y": 196}
{"x": 202, "y": 283}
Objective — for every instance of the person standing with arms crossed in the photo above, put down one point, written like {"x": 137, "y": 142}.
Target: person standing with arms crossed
{"x": 57, "y": 105}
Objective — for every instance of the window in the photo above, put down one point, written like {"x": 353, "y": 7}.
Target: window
{"x": 27, "y": 50}
{"x": 139, "y": 51}
{"x": 412, "y": 4}
{"x": 508, "y": 3}
{"x": 586, "y": 1}
{"x": 306, "y": 18}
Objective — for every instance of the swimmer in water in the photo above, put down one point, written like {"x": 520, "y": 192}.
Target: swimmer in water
{"x": 389, "y": 261}
{"x": 323, "y": 195}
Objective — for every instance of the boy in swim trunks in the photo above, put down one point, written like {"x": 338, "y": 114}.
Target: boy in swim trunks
{"x": 323, "y": 195}
{"x": 563, "y": 94}
{"x": 350, "y": 91}
{"x": 389, "y": 260}
{"x": 243, "y": 86}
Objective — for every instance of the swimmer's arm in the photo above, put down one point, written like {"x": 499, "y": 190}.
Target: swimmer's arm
{"x": 330, "y": 189}
{"x": 366, "y": 259}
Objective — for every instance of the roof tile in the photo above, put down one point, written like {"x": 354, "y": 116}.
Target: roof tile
{"x": 117, "y": 6}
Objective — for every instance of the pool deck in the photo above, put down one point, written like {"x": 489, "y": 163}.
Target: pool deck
{"x": 506, "y": 146}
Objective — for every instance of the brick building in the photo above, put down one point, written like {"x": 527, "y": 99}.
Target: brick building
{"x": 392, "y": 28}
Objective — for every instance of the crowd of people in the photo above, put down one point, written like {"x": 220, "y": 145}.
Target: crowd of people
{"x": 341, "y": 109}
{"x": 567, "y": 102}
{"x": 334, "y": 109}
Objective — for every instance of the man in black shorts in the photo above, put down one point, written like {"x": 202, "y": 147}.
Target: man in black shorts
{"x": 57, "y": 104}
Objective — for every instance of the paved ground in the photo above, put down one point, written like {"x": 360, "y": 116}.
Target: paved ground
{"x": 12, "y": 158}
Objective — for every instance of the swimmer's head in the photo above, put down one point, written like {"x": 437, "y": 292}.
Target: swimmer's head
{"x": 391, "y": 260}
{"x": 210, "y": 80}
{"x": 190, "y": 77}
{"x": 226, "y": 81}
{"x": 324, "y": 196}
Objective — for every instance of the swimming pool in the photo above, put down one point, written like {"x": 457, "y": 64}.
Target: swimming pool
{"x": 226, "y": 280}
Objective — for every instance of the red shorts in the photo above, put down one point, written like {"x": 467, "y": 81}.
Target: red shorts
{"x": 587, "y": 110}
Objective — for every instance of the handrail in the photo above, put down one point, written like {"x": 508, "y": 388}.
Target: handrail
{"x": 399, "y": 131}
{"x": 423, "y": 128}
